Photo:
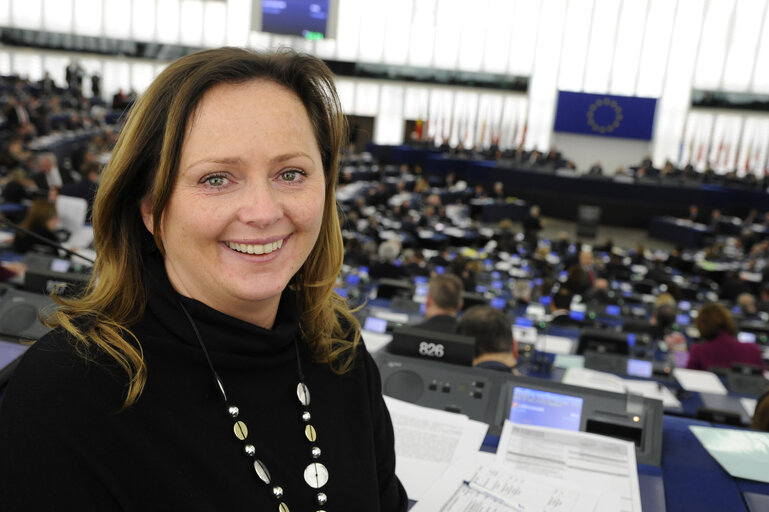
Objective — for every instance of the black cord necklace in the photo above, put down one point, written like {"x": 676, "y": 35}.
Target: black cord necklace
{"x": 315, "y": 474}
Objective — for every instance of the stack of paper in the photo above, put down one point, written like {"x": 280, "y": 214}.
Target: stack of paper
{"x": 544, "y": 470}
{"x": 427, "y": 441}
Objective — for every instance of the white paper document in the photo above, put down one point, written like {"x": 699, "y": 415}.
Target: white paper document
{"x": 586, "y": 378}
{"x": 594, "y": 379}
{"x": 375, "y": 341}
{"x": 651, "y": 389}
{"x": 427, "y": 441}
{"x": 590, "y": 461}
{"x": 699, "y": 381}
{"x": 480, "y": 485}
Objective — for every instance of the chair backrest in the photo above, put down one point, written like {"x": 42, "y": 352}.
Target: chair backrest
{"x": 72, "y": 212}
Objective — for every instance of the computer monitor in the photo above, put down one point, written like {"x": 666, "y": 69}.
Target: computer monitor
{"x": 545, "y": 409}
{"x": 498, "y": 303}
{"x": 434, "y": 345}
{"x": 640, "y": 368}
{"x": 375, "y": 324}
{"x": 10, "y": 354}
{"x": 389, "y": 288}
{"x": 606, "y": 342}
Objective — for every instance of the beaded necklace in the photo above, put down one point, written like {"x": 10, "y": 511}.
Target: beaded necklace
{"x": 315, "y": 474}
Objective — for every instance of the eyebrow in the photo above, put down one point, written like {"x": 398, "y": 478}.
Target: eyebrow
{"x": 236, "y": 160}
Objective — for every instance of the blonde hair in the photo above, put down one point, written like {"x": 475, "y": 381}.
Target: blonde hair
{"x": 144, "y": 164}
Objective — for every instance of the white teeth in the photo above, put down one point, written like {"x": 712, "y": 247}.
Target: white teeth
{"x": 256, "y": 248}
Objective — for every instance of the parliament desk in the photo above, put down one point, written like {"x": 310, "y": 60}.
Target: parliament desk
{"x": 687, "y": 478}
{"x": 679, "y": 231}
{"x": 626, "y": 203}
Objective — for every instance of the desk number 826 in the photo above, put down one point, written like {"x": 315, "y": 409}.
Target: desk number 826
{"x": 430, "y": 349}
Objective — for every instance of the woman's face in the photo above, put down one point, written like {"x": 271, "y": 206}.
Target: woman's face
{"x": 247, "y": 206}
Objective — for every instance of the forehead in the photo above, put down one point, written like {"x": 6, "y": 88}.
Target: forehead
{"x": 253, "y": 117}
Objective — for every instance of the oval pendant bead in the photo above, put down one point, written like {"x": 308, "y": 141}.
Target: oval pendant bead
{"x": 306, "y": 416}
{"x": 241, "y": 430}
{"x": 283, "y": 507}
{"x": 303, "y": 394}
{"x": 316, "y": 475}
{"x": 315, "y": 452}
{"x": 309, "y": 432}
{"x": 263, "y": 474}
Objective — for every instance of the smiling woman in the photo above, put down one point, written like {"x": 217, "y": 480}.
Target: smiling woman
{"x": 186, "y": 365}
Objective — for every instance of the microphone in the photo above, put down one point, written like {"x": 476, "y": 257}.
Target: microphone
{"x": 43, "y": 239}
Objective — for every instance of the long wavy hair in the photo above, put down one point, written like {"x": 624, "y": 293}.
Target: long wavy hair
{"x": 145, "y": 163}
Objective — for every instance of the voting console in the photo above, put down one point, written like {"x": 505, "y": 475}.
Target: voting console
{"x": 493, "y": 396}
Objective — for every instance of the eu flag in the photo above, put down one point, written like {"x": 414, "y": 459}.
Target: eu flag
{"x": 627, "y": 117}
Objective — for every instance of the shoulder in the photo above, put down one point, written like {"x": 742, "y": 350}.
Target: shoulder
{"x": 52, "y": 373}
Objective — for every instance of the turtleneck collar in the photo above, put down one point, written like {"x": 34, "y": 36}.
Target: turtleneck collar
{"x": 220, "y": 332}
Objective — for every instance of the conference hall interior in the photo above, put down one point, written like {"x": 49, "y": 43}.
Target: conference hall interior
{"x": 577, "y": 189}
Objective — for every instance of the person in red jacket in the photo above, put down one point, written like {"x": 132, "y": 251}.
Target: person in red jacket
{"x": 720, "y": 347}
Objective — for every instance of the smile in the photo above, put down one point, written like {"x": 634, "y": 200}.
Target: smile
{"x": 255, "y": 248}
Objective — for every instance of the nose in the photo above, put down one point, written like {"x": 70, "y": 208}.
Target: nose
{"x": 260, "y": 205}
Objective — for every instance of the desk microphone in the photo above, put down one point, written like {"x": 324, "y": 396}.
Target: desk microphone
{"x": 43, "y": 239}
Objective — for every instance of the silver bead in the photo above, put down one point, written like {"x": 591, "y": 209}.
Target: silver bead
{"x": 315, "y": 452}
{"x": 249, "y": 450}
{"x": 233, "y": 411}
{"x": 277, "y": 492}
{"x": 322, "y": 499}
{"x": 306, "y": 416}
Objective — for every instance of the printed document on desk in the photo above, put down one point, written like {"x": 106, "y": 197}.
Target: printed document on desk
{"x": 699, "y": 381}
{"x": 590, "y": 461}
{"x": 480, "y": 485}
{"x": 427, "y": 441}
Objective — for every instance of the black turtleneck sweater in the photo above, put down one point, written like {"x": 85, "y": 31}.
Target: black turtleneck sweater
{"x": 65, "y": 444}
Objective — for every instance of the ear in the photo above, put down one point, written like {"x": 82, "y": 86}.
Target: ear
{"x": 515, "y": 348}
{"x": 146, "y": 211}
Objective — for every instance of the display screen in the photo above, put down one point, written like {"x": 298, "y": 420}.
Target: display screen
{"x": 375, "y": 324}
{"x": 612, "y": 310}
{"x": 306, "y": 18}
{"x": 60, "y": 265}
{"x": 498, "y": 302}
{"x": 545, "y": 409}
{"x": 639, "y": 368}
{"x": 683, "y": 319}
{"x": 9, "y": 352}
{"x": 746, "y": 337}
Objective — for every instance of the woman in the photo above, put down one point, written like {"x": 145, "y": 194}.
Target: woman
{"x": 180, "y": 380}
{"x": 42, "y": 220}
{"x": 720, "y": 347}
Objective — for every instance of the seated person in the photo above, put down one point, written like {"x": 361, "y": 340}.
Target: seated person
{"x": 495, "y": 347}
{"x": 761, "y": 414}
{"x": 42, "y": 220}
{"x": 560, "y": 307}
{"x": 443, "y": 303}
{"x": 386, "y": 267}
{"x": 720, "y": 347}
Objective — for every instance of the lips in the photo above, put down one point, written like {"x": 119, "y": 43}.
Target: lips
{"x": 255, "y": 248}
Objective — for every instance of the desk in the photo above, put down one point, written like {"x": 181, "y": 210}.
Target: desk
{"x": 625, "y": 204}
{"x": 679, "y": 231}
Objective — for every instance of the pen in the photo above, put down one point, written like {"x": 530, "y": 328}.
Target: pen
{"x": 488, "y": 492}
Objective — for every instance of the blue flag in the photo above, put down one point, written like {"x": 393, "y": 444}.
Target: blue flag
{"x": 605, "y": 115}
